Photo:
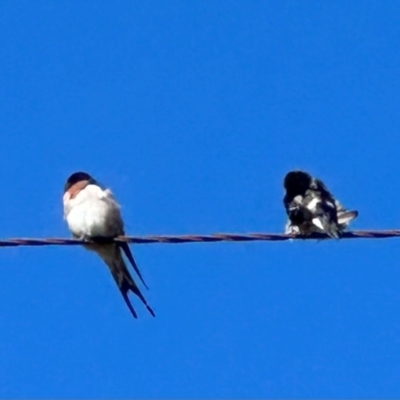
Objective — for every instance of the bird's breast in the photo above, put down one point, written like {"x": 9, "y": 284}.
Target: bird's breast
{"x": 92, "y": 218}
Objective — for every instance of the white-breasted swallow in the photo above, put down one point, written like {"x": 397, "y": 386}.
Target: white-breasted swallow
{"x": 312, "y": 208}
{"x": 92, "y": 212}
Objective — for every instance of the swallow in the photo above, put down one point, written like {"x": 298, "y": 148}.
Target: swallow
{"x": 91, "y": 213}
{"x": 311, "y": 207}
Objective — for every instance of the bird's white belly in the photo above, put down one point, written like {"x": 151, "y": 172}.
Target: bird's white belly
{"x": 90, "y": 219}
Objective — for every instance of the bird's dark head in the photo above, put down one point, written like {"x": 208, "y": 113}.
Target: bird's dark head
{"x": 78, "y": 177}
{"x": 297, "y": 182}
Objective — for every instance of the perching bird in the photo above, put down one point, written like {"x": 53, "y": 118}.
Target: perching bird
{"x": 92, "y": 212}
{"x": 312, "y": 208}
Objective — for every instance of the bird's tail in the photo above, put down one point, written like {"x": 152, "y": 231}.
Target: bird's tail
{"x": 345, "y": 217}
{"x": 111, "y": 254}
{"x": 128, "y": 253}
{"x": 334, "y": 228}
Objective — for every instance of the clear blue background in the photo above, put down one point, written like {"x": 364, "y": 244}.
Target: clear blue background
{"x": 192, "y": 112}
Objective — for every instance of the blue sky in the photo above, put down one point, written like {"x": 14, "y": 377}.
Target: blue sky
{"x": 192, "y": 113}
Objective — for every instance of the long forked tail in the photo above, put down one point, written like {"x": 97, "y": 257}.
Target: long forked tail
{"x": 113, "y": 258}
{"x": 129, "y": 284}
{"x": 128, "y": 253}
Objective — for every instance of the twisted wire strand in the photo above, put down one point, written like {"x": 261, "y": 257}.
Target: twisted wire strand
{"x": 215, "y": 237}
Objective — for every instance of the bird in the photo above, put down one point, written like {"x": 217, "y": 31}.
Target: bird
{"x": 311, "y": 207}
{"x": 92, "y": 213}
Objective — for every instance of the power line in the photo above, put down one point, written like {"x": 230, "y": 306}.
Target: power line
{"x": 215, "y": 237}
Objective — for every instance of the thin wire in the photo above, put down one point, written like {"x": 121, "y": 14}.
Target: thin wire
{"x": 215, "y": 237}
